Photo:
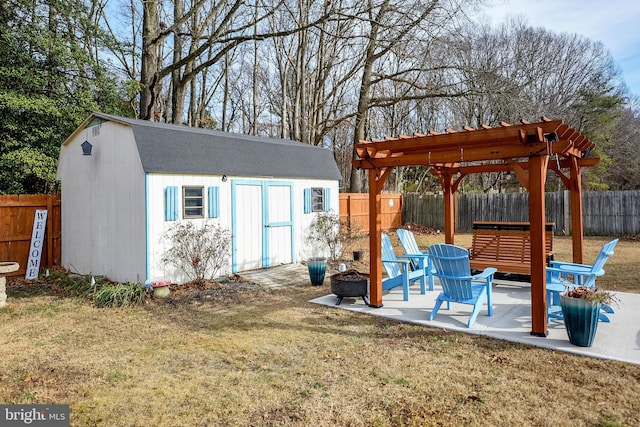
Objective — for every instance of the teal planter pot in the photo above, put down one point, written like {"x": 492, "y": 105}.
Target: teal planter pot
{"x": 580, "y": 319}
{"x": 317, "y": 268}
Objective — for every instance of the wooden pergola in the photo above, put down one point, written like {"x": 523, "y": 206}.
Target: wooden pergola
{"x": 528, "y": 150}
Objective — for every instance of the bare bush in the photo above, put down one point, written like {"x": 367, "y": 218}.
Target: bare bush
{"x": 200, "y": 251}
{"x": 339, "y": 236}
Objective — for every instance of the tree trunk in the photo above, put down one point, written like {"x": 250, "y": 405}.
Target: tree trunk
{"x": 179, "y": 88}
{"x": 193, "y": 119}
{"x": 225, "y": 94}
{"x": 149, "y": 70}
{"x": 254, "y": 82}
{"x": 355, "y": 185}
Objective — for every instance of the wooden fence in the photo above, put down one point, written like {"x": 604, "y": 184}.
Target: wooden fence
{"x": 605, "y": 213}
{"x": 354, "y": 211}
{"x": 17, "y": 213}
{"x": 609, "y": 213}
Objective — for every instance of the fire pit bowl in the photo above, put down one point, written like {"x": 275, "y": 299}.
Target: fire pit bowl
{"x": 350, "y": 283}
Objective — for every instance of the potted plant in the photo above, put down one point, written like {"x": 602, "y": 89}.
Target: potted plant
{"x": 581, "y": 310}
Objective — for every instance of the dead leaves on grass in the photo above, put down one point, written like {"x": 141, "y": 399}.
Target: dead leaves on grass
{"x": 420, "y": 229}
{"x": 500, "y": 358}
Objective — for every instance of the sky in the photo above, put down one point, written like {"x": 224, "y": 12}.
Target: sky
{"x": 615, "y": 23}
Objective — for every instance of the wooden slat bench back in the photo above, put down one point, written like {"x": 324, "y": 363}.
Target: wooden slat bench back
{"x": 505, "y": 246}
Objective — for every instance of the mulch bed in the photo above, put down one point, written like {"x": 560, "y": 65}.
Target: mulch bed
{"x": 210, "y": 291}
{"x": 18, "y": 286}
{"x": 201, "y": 292}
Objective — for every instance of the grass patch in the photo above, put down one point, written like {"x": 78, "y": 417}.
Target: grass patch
{"x": 119, "y": 294}
{"x": 102, "y": 292}
{"x": 267, "y": 358}
{"x": 115, "y": 377}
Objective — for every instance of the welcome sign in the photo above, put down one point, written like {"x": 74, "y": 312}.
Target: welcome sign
{"x": 37, "y": 239}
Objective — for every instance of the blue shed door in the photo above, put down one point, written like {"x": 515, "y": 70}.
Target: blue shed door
{"x": 262, "y": 224}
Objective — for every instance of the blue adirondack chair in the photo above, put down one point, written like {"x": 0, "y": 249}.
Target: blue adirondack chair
{"x": 398, "y": 271}
{"x": 419, "y": 258}
{"x": 562, "y": 276}
{"x": 451, "y": 265}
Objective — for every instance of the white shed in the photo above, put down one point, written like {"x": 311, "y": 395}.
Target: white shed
{"x": 125, "y": 182}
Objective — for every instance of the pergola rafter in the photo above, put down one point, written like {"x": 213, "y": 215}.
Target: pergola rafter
{"x": 528, "y": 150}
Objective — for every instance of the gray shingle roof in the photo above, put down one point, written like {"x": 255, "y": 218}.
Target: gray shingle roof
{"x": 169, "y": 148}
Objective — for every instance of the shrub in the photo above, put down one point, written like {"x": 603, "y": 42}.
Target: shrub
{"x": 200, "y": 251}
{"x": 327, "y": 229}
{"x": 119, "y": 294}
{"x": 102, "y": 291}
{"x": 76, "y": 285}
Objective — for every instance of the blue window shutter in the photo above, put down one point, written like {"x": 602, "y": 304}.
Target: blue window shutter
{"x": 308, "y": 200}
{"x": 214, "y": 202}
{"x": 327, "y": 199}
{"x": 171, "y": 204}
{"x": 175, "y": 207}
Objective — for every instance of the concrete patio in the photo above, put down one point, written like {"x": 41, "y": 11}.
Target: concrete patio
{"x": 511, "y": 320}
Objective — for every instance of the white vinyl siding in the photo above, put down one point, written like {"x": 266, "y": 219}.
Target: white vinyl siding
{"x": 158, "y": 226}
{"x": 103, "y": 204}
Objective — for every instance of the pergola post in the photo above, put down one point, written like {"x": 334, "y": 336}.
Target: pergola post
{"x": 575, "y": 191}
{"x": 537, "y": 178}
{"x": 446, "y": 179}
{"x": 377, "y": 179}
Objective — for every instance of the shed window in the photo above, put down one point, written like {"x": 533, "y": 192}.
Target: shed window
{"x": 316, "y": 200}
{"x": 193, "y": 202}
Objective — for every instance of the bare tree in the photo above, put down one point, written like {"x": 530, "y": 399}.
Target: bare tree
{"x": 224, "y": 25}
{"x": 390, "y": 26}
{"x": 516, "y": 71}
{"x": 624, "y": 153}
{"x": 333, "y": 72}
